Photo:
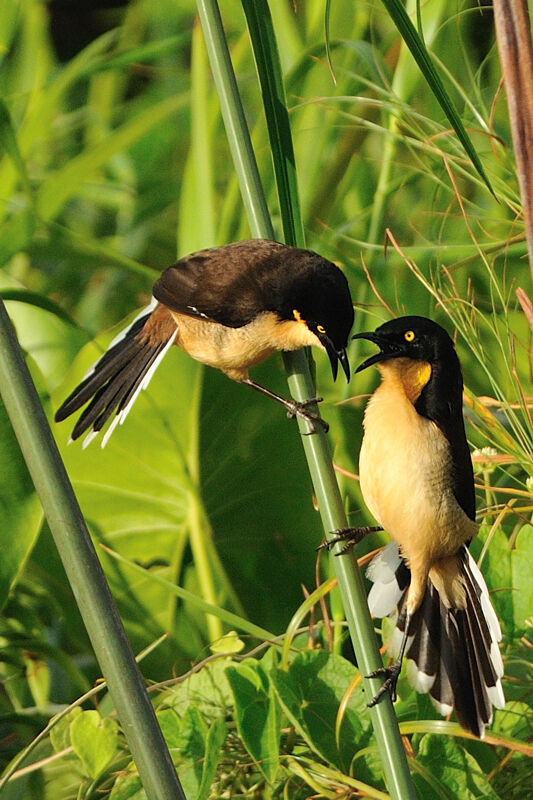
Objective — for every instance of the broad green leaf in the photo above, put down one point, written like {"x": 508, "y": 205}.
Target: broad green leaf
{"x": 522, "y": 572}
{"x": 229, "y": 643}
{"x": 170, "y": 723}
{"x": 310, "y": 693}
{"x": 44, "y": 331}
{"x": 214, "y": 741}
{"x": 496, "y": 568}
{"x": 509, "y": 573}
{"x": 514, "y": 721}
{"x": 194, "y": 746}
{"x": 21, "y": 515}
{"x": 199, "y": 748}
{"x": 207, "y": 690}
{"x": 95, "y": 740}
{"x": 37, "y": 300}
{"x": 60, "y": 733}
{"x": 128, "y": 786}
{"x": 257, "y": 714}
{"x": 454, "y": 772}
{"x": 137, "y": 493}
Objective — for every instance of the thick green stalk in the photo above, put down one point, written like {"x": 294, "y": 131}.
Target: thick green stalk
{"x": 301, "y": 385}
{"x": 84, "y": 572}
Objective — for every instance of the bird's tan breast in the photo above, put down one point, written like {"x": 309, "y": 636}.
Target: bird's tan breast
{"x": 405, "y": 472}
{"x": 235, "y": 350}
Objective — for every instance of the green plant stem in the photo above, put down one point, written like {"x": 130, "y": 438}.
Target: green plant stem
{"x": 111, "y": 647}
{"x": 301, "y": 385}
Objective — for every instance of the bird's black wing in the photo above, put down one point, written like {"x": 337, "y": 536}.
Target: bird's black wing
{"x": 442, "y": 401}
{"x": 229, "y": 284}
{"x": 462, "y": 474}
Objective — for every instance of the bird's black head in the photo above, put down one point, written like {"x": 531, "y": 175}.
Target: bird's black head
{"x": 319, "y": 297}
{"x": 417, "y": 338}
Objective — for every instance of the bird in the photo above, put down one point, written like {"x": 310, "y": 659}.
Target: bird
{"x": 229, "y": 307}
{"x": 417, "y": 481}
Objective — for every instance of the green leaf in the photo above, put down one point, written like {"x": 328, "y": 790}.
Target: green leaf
{"x": 229, "y": 643}
{"x": 196, "y": 231}
{"x": 310, "y": 693}
{"x": 95, "y": 741}
{"x": 422, "y": 57}
{"x": 496, "y": 568}
{"x": 137, "y": 494}
{"x": 16, "y": 233}
{"x": 44, "y": 331}
{"x": 38, "y": 300}
{"x": 128, "y": 787}
{"x": 257, "y": 714}
{"x": 38, "y": 679}
{"x": 21, "y": 515}
{"x": 522, "y": 581}
{"x": 268, "y": 65}
{"x": 451, "y": 770}
{"x": 207, "y": 690}
{"x": 64, "y": 182}
{"x": 60, "y": 733}
{"x": 199, "y": 753}
{"x": 170, "y": 724}
{"x": 8, "y": 142}
{"x": 215, "y": 739}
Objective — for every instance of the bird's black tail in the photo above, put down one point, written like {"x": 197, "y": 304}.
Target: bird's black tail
{"x": 452, "y": 653}
{"x": 115, "y": 380}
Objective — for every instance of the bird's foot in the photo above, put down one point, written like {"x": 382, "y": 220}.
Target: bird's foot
{"x": 389, "y": 684}
{"x": 300, "y": 409}
{"x": 350, "y": 537}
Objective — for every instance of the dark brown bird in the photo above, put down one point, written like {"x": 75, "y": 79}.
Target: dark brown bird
{"x": 229, "y": 307}
{"x": 417, "y": 481}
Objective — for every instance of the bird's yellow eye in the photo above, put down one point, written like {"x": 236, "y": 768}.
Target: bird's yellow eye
{"x": 409, "y": 336}
{"x": 320, "y": 329}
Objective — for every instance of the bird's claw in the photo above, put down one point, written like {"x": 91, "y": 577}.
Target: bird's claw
{"x": 389, "y": 684}
{"x": 350, "y": 537}
{"x": 300, "y": 409}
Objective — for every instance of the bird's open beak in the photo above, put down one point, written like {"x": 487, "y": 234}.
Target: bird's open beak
{"x": 335, "y": 356}
{"x": 386, "y": 351}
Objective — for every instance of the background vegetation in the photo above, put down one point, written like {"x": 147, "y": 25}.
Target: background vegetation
{"x": 123, "y": 166}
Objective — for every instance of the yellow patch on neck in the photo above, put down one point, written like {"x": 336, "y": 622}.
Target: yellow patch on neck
{"x": 413, "y": 375}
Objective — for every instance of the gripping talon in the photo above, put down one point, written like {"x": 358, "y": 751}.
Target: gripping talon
{"x": 389, "y": 684}
{"x": 300, "y": 409}
{"x": 350, "y": 537}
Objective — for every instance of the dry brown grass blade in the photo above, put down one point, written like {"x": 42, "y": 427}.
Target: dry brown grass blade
{"x": 527, "y": 305}
{"x": 513, "y": 35}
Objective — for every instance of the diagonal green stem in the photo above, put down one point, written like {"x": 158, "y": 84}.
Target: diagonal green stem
{"x": 299, "y": 377}
{"x": 84, "y": 572}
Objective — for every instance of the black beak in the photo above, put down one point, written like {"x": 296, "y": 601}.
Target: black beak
{"x": 343, "y": 358}
{"x": 386, "y": 349}
{"x": 335, "y": 356}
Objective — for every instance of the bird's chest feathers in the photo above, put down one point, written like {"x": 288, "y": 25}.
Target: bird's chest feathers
{"x": 405, "y": 460}
{"x": 234, "y": 350}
